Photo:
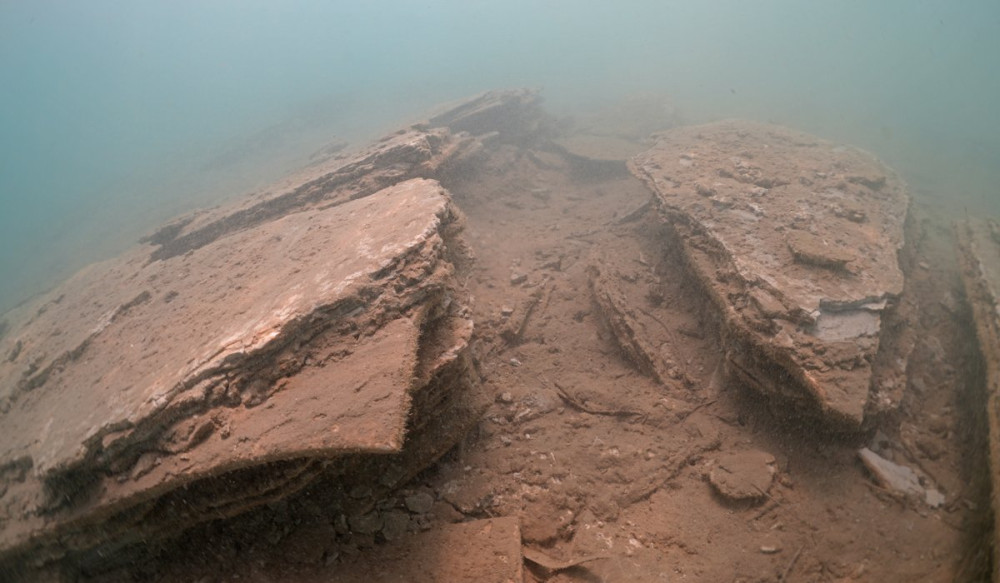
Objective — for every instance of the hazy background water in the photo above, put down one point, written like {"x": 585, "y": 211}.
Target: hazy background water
{"x": 116, "y": 115}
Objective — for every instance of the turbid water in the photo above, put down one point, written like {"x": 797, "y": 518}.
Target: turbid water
{"x": 115, "y": 116}
{"x": 620, "y": 294}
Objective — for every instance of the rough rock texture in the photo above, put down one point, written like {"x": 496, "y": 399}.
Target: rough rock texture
{"x": 795, "y": 242}
{"x": 979, "y": 257}
{"x": 243, "y": 352}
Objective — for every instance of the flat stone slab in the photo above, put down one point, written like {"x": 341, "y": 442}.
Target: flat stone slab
{"x": 795, "y": 242}
{"x": 306, "y": 337}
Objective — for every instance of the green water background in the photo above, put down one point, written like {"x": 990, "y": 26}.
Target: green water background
{"x": 117, "y": 115}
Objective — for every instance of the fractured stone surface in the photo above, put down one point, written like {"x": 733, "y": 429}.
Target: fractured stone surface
{"x": 795, "y": 242}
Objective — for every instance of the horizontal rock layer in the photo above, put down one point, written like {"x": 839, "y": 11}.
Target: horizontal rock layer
{"x": 795, "y": 243}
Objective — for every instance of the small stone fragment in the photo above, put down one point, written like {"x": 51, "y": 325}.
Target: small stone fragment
{"x": 743, "y": 476}
{"x": 395, "y": 525}
{"x": 419, "y": 503}
{"x": 891, "y": 475}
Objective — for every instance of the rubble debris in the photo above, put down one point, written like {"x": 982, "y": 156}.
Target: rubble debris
{"x": 979, "y": 259}
{"x": 743, "y": 476}
{"x": 801, "y": 293}
{"x": 899, "y": 478}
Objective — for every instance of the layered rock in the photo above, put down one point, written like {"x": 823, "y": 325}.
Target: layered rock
{"x": 313, "y": 329}
{"x": 795, "y": 243}
{"x": 277, "y": 348}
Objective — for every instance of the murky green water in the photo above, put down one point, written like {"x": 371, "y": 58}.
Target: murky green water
{"x": 116, "y": 115}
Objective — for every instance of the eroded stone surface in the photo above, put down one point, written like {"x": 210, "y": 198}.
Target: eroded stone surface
{"x": 796, "y": 243}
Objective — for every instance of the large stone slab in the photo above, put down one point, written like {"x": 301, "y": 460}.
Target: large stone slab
{"x": 795, "y": 242}
{"x": 306, "y": 337}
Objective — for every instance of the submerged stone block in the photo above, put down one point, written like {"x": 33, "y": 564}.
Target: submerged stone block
{"x": 795, "y": 243}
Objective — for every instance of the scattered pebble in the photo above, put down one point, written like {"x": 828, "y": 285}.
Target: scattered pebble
{"x": 395, "y": 525}
{"x": 419, "y": 503}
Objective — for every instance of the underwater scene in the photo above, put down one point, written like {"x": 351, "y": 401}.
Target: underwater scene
{"x": 564, "y": 291}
